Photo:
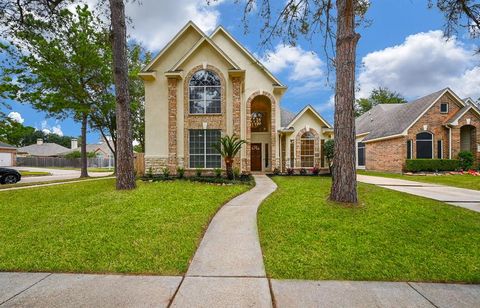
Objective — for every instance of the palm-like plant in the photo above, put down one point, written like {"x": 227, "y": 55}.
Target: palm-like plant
{"x": 228, "y": 147}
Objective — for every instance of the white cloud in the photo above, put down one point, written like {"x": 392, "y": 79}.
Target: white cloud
{"x": 55, "y": 129}
{"x": 17, "y": 117}
{"x": 329, "y": 106}
{"x": 425, "y": 62}
{"x": 301, "y": 64}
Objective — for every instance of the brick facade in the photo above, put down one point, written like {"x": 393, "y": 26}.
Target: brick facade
{"x": 387, "y": 155}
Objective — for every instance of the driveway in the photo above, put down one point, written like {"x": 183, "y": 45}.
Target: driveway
{"x": 466, "y": 198}
{"x": 57, "y": 174}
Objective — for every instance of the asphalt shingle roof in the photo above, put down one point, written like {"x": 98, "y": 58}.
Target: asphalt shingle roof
{"x": 392, "y": 119}
{"x": 4, "y": 145}
{"x": 286, "y": 117}
{"x": 45, "y": 149}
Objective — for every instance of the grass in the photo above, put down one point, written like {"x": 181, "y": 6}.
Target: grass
{"x": 391, "y": 236}
{"x": 91, "y": 227}
{"x": 5, "y": 186}
{"x": 462, "y": 181}
{"x": 27, "y": 173}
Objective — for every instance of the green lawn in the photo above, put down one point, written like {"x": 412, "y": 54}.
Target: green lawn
{"x": 27, "y": 173}
{"x": 91, "y": 227}
{"x": 462, "y": 181}
{"x": 391, "y": 236}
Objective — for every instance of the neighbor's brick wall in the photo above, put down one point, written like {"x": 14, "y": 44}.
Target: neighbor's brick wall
{"x": 386, "y": 155}
{"x": 474, "y": 121}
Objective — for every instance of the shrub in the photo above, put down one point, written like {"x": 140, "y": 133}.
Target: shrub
{"x": 166, "y": 172}
{"x": 290, "y": 171}
{"x": 198, "y": 172}
{"x": 245, "y": 176}
{"x": 415, "y": 165}
{"x": 236, "y": 172}
{"x": 218, "y": 172}
{"x": 328, "y": 149}
{"x": 181, "y": 172}
{"x": 276, "y": 171}
{"x": 150, "y": 173}
{"x": 78, "y": 154}
{"x": 303, "y": 171}
{"x": 465, "y": 160}
{"x": 315, "y": 170}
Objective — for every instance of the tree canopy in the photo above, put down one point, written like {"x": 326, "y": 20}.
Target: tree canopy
{"x": 378, "y": 96}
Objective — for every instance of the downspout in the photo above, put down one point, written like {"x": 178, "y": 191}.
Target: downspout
{"x": 449, "y": 142}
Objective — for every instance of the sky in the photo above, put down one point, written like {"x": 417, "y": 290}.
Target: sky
{"x": 403, "y": 49}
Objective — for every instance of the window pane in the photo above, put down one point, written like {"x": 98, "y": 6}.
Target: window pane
{"x": 213, "y": 106}
{"x": 424, "y": 136}
{"x": 424, "y": 149}
{"x": 214, "y": 161}
{"x": 409, "y": 149}
{"x": 204, "y": 78}
{"x": 197, "y": 106}
{"x": 361, "y": 156}
{"x": 213, "y": 137}
{"x": 439, "y": 149}
{"x": 197, "y": 161}
{"x": 212, "y": 93}
{"x": 197, "y": 145}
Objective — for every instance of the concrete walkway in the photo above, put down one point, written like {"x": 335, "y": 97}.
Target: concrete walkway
{"x": 227, "y": 269}
{"x": 466, "y": 198}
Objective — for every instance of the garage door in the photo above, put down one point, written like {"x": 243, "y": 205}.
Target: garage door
{"x": 5, "y": 159}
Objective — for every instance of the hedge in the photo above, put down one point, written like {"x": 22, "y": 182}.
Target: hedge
{"x": 415, "y": 165}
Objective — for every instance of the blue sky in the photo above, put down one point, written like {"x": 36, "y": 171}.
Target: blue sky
{"x": 403, "y": 49}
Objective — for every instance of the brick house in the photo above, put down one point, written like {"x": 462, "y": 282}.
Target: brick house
{"x": 200, "y": 87}
{"x": 438, "y": 125}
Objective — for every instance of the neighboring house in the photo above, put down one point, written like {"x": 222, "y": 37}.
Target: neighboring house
{"x": 438, "y": 125}
{"x": 8, "y": 155}
{"x": 42, "y": 149}
{"x": 201, "y": 87}
{"x": 100, "y": 149}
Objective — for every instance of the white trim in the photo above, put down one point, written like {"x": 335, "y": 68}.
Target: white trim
{"x": 196, "y": 46}
{"x": 240, "y": 46}
{"x": 189, "y": 24}
{"x": 448, "y": 107}
{"x": 308, "y": 107}
{"x": 449, "y": 142}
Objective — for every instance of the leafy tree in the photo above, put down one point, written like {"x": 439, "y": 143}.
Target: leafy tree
{"x": 229, "y": 147}
{"x": 77, "y": 154}
{"x": 328, "y": 148}
{"x": 378, "y": 96}
{"x": 14, "y": 133}
{"x": 62, "y": 66}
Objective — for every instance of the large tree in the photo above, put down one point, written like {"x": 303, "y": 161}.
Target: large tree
{"x": 378, "y": 96}
{"x": 62, "y": 66}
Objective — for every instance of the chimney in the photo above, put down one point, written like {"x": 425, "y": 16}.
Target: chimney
{"x": 39, "y": 141}
{"x": 74, "y": 143}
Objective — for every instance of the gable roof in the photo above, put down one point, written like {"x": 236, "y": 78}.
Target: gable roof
{"x": 247, "y": 53}
{"x": 4, "y": 145}
{"x": 44, "y": 149}
{"x": 196, "y": 46}
{"x": 91, "y": 148}
{"x": 391, "y": 120}
{"x": 189, "y": 25}
{"x": 292, "y": 120}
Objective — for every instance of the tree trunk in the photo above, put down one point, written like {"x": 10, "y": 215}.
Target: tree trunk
{"x": 344, "y": 182}
{"x": 83, "y": 147}
{"x": 124, "y": 151}
{"x": 228, "y": 166}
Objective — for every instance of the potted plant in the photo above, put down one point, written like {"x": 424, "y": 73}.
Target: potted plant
{"x": 228, "y": 147}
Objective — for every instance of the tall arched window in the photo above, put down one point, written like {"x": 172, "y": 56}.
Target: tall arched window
{"x": 205, "y": 92}
{"x": 307, "y": 149}
{"x": 424, "y": 145}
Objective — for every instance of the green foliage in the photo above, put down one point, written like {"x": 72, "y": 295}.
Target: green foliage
{"x": 431, "y": 165}
{"x": 198, "y": 172}
{"x": 180, "y": 172}
{"x": 77, "y": 154}
{"x": 228, "y": 147}
{"x": 328, "y": 147}
{"x": 466, "y": 160}
{"x": 378, "y": 96}
{"x": 217, "y": 172}
{"x": 150, "y": 173}
{"x": 166, "y": 172}
{"x": 236, "y": 172}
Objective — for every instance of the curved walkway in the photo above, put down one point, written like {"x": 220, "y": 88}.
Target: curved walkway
{"x": 466, "y": 198}
{"x": 227, "y": 269}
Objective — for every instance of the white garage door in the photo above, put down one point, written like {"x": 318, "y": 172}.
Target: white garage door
{"x": 5, "y": 159}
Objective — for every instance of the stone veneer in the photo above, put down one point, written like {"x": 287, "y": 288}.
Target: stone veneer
{"x": 195, "y": 121}
{"x": 273, "y": 147}
{"x": 172, "y": 124}
{"x": 237, "y": 114}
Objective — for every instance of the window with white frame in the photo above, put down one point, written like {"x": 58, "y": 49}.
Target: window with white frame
{"x": 424, "y": 145}
{"x": 307, "y": 149}
{"x": 205, "y": 93}
{"x": 202, "y": 153}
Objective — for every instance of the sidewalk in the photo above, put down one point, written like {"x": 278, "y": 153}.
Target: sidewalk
{"x": 466, "y": 198}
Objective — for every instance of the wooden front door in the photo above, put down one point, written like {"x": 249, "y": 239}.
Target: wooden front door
{"x": 256, "y": 157}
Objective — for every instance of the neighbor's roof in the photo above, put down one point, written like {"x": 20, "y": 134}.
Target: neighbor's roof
{"x": 91, "y": 148}
{"x": 4, "y": 145}
{"x": 45, "y": 149}
{"x": 386, "y": 120}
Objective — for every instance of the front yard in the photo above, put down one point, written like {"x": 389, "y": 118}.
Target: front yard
{"x": 391, "y": 236}
{"x": 91, "y": 227}
{"x": 462, "y": 181}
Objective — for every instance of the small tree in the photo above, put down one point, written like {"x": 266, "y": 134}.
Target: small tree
{"x": 328, "y": 150}
{"x": 228, "y": 147}
{"x": 378, "y": 96}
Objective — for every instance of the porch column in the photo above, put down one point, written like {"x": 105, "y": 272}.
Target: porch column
{"x": 237, "y": 100}
{"x": 172, "y": 124}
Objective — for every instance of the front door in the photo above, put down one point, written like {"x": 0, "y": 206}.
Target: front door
{"x": 256, "y": 157}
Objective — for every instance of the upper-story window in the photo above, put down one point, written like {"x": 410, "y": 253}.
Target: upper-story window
{"x": 205, "y": 93}
{"x": 444, "y": 107}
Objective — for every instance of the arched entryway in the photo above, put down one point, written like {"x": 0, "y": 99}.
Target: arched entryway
{"x": 260, "y": 132}
{"x": 468, "y": 137}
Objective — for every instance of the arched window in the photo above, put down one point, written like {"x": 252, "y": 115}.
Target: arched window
{"x": 307, "y": 149}
{"x": 205, "y": 92}
{"x": 424, "y": 145}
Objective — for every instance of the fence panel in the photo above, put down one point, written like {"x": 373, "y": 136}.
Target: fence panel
{"x": 140, "y": 164}
{"x": 61, "y": 162}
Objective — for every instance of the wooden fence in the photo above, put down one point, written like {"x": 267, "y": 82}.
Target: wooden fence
{"x": 139, "y": 163}
{"x": 62, "y": 162}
